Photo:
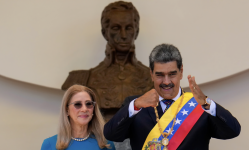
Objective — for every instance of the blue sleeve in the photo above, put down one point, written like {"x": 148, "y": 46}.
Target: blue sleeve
{"x": 111, "y": 145}
{"x": 46, "y": 145}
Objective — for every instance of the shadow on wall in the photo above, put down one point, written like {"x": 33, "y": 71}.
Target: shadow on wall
{"x": 29, "y": 96}
{"x": 28, "y": 113}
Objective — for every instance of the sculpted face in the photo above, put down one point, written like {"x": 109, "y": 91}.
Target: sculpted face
{"x": 80, "y": 116}
{"x": 121, "y": 31}
{"x": 166, "y": 78}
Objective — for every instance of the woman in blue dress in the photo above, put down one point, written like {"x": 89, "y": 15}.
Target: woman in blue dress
{"x": 81, "y": 123}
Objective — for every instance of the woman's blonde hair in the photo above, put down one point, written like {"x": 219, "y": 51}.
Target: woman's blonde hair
{"x": 95, "y": 126}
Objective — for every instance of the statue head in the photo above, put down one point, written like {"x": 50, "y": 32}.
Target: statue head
{"x": 120, "y": 25}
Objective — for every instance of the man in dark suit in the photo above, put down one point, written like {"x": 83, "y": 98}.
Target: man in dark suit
{"x": 137, "y": 118}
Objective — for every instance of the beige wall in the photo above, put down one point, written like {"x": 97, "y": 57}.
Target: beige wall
{"x": 41, "y": 41}
{"x": 28, "y": 113}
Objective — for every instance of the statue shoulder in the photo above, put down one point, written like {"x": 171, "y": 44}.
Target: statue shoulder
{"x": 76, "y": 77}
{"x": 142, "y": 66}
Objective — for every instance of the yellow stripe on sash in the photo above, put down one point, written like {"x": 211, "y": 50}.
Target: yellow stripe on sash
{"x": 167, "y": 117}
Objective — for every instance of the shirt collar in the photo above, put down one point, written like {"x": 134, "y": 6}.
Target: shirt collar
{"x": 175, "y": 98}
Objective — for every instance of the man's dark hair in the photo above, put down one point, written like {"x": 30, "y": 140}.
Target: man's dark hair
{"x": 122, "y": 6}
{"x": 165, "y": 53}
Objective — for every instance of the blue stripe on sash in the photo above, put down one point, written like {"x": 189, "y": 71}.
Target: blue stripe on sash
{"x": 187, "y": 108}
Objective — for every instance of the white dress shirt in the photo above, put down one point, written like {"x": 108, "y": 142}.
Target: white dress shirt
{"x": 132, "y": 112}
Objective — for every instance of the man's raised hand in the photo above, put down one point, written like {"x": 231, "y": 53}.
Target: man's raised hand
{"x": 198, "y": 95}
{"x": 149, "y": 99}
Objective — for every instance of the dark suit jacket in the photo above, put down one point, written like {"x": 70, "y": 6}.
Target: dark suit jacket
{"x": 120, "y": 127}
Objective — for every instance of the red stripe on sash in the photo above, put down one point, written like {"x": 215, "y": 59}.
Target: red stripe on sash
{"x": 184, "y": 129}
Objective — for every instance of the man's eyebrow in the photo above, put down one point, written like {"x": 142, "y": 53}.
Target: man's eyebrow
{"x": 173, "y": 71}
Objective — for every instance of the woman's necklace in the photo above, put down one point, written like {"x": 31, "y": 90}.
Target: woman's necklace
{"x": 165, "y": 140}
{"x": 81, "y": 139}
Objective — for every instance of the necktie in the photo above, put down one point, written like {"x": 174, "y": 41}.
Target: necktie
{"x": 167, "y": 102}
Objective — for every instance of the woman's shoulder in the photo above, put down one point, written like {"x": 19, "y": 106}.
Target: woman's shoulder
{"x": 51, "y": 139}
{"x": 49, "y": 143}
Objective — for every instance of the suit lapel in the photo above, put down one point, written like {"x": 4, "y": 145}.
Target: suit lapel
{"x": 160, "y": 111}
{"x": 152, "y": 113}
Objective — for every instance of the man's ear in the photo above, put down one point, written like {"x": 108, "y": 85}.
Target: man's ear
{"x": 103, "y": 31}
{"x": 181, "y": 71}
{"x": 151, "y": 75}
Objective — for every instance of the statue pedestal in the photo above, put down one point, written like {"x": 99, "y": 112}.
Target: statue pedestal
{"x": 108, "y": 114}
{"x": 125, "y": 145}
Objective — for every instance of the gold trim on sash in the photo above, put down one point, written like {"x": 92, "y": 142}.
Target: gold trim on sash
{"x": 164, "y": 121}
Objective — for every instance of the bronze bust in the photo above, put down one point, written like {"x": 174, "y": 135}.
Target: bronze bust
{"x": 120, "y": 74}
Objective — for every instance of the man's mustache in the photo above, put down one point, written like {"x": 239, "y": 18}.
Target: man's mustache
{"x": 171, "y": 85}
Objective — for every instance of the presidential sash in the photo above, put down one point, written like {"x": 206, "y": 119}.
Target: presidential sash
{"x": 189, "y": 113}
